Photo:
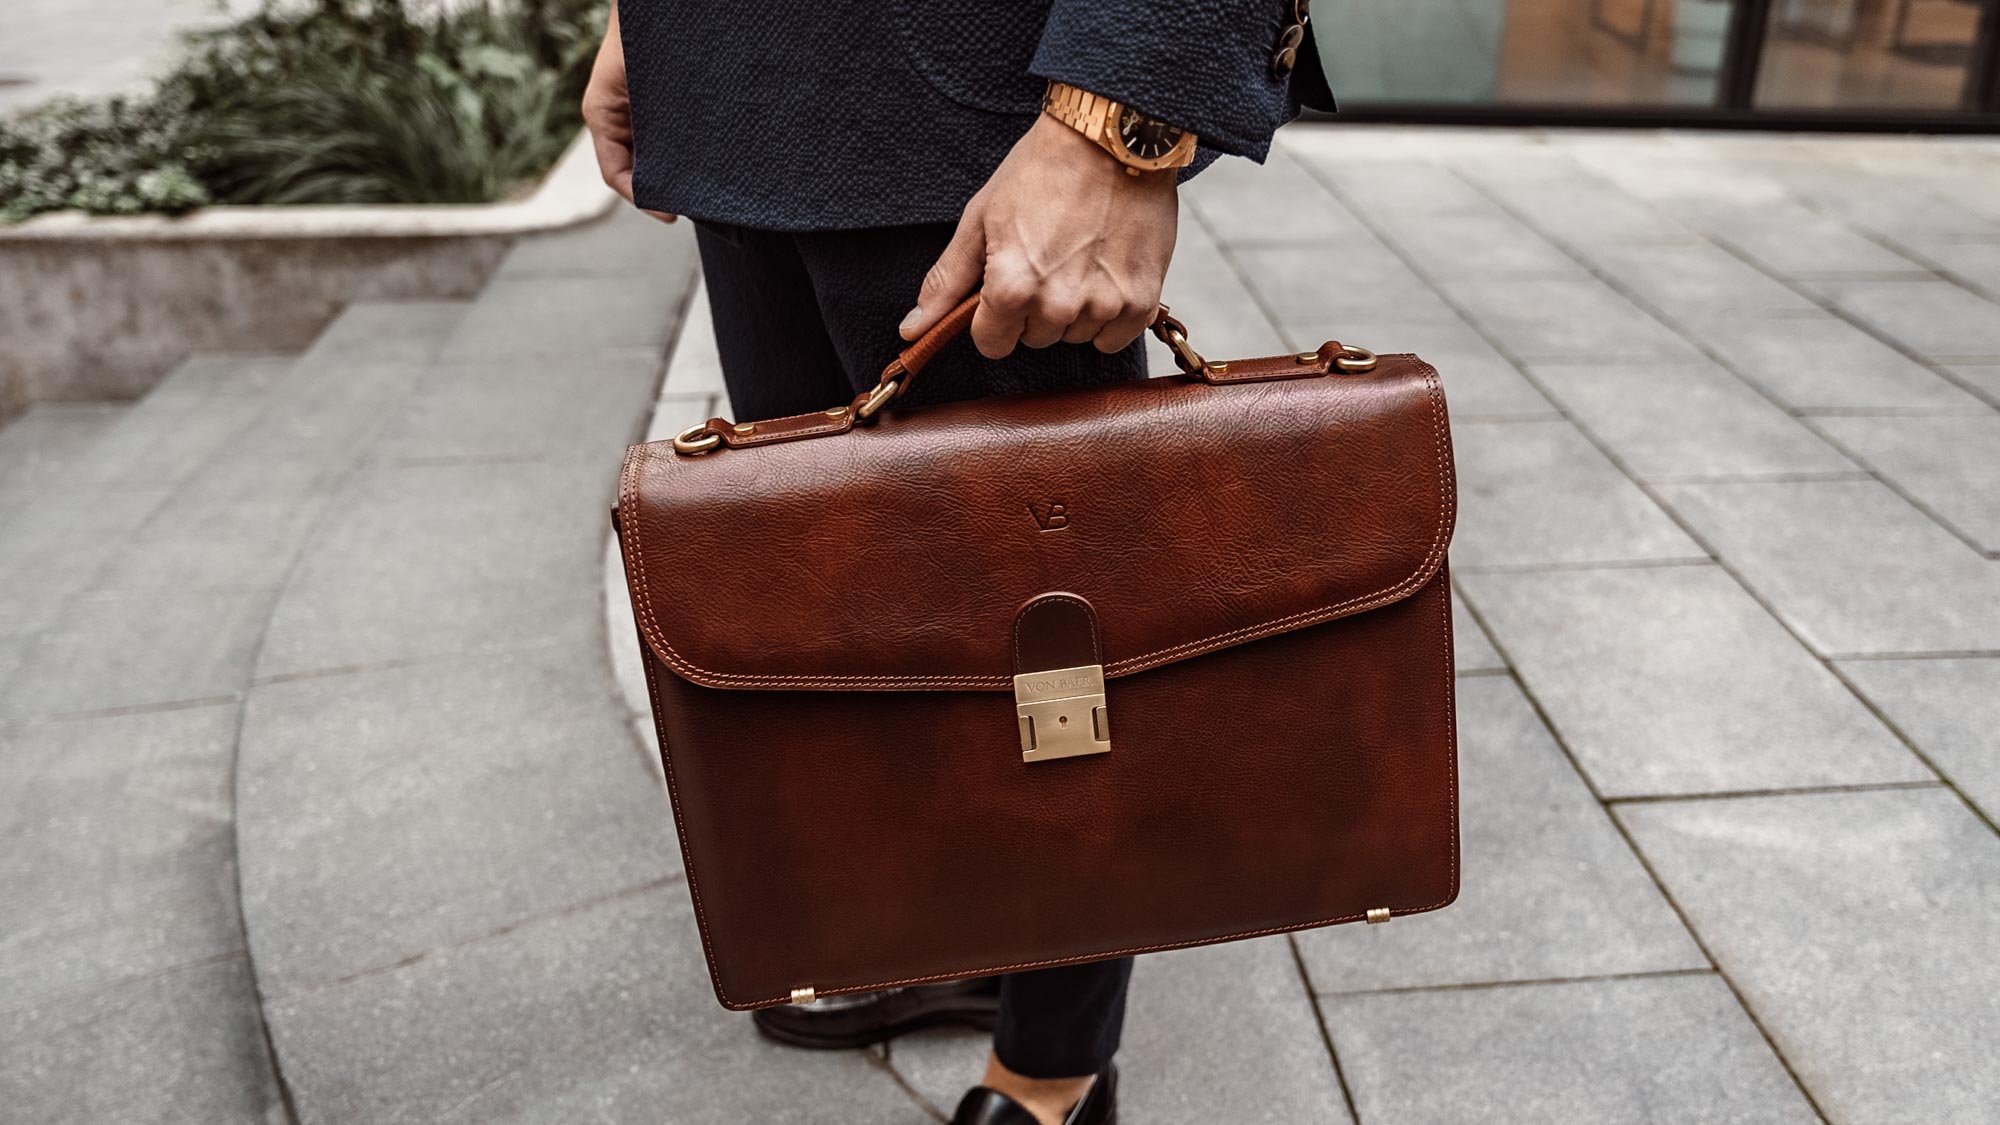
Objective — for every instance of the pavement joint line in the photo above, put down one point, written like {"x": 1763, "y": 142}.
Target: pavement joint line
{"x": 1506, "y": 419}
{"x": 550, "y": 915}
{"x": 1945, "y": 654}
{"x": 1535, "y": 704}
{"x": 883, "y": 1060}
{"x": 1781, "y": 791}
{"x": 1829, "y": 476}
{"x": 121, "y": 711}
{"x": 1942, "y": 272}
{"x": 1325, "y": 1032}
{"x": 113, "y": 984}
{"x": 1826, "y": 661}
{"x": 1978, "y": 411}
{"x": 1585, "y": 564}
{"x": 1526, "y": 982}
{"x": 408, "y": 662}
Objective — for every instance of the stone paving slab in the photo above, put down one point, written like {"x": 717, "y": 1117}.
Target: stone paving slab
{"x": 105, "y": 653}
{"x": 1672, "y": 680}
{"x": 1859, "y": 928}
{"x": 496, "y": 410}
{"x": 53, "y": 547}
{"x": 42, "y": 449}
{"x": 1686, "y": 421}
{"x": 1539, "y": 494}
{"x": 1951, "y": 708}
{"x": 1849, "y": 564}
{"x": 171, "y": 1048}
{"x": 1823, "y": 363}
{"x": 1363, "y": 280}
{"x": 1950, "y": 465}
{"x": 1597, "y": 323}
{"x": 1277, "y": 203}
{"x": 1388, "y": 185}
{"x": 1480, "y": 244}
{"x": 600, "y": 1013}
{"x": 1699, "y": 282}
{"x": 1605, "y": 1052}
{"x": 1983, "y": 378}
{"x": 1974, "y": 263}
{"x": 1549, "y": 888}
{"x": 116, "y": 857}
{"x": 433, "y": 560}
{"x": 1936, "y": 318}
{"x": 464, "y": 796}
{"x": 1795, "y": 241}
{"x": 1551, "y": 192}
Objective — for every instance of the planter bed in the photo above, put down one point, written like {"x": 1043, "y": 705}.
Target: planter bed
{"x": 101, "y": 307}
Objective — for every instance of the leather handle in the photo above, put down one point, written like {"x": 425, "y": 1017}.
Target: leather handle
{"x": 719, "y": 433}
{"x": 919, "y": 353}
{"x": 902, "y": 371}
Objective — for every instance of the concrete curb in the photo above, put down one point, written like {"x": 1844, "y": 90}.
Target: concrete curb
{"x": 100, "y": 307}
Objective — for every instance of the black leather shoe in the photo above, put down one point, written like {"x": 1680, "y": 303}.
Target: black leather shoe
{"x": 862, "y": 1019}
{"x": 982, "y": 1106}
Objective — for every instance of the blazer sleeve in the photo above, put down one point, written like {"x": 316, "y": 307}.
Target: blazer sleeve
{"x": 1204, "y": 65}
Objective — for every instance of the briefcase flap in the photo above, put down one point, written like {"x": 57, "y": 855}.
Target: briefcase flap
{"x": 895, "y": 556}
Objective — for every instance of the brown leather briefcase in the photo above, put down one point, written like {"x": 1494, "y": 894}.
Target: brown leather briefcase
{"x": 1025, "y": 681}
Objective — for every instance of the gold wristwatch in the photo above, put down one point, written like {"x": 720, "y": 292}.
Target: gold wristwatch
{"x": 1139, "y": 142}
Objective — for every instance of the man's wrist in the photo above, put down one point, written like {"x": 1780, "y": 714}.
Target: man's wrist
{"x": 1055, "y": 143}
{"x": 1139, "y": 143}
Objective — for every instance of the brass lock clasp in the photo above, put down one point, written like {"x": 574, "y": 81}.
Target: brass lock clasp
{"x": 1062, "y": 713}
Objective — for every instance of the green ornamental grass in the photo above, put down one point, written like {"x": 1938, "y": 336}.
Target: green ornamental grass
{"x": 331, "y": 101}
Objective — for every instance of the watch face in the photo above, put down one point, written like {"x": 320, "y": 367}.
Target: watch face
{"x": 1146, "y": 138}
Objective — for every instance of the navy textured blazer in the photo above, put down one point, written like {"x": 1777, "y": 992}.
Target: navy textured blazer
{"x": 839, "y": 114}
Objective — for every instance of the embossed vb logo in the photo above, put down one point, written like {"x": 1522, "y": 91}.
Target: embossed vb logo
{"x": 1052, "y": 516}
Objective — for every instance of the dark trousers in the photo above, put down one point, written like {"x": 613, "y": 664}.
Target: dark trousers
{"x": 807, "y": 321}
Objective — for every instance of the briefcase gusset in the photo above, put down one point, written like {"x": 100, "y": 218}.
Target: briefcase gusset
{"x": 838, "y": 616}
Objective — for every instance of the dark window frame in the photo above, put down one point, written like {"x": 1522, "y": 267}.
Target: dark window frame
{"x": 1734, "y": 106}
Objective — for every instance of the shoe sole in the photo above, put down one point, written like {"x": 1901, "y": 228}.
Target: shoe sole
{"x": 977, "y": 1020}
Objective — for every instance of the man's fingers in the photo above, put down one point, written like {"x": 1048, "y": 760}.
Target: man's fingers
{"x": 955, "y": 274}
{"x": 1118, "y": 334}
{"x": 663, "y": 216}
{"x": 1041, "y": 331}
{"x": 614, "y": 162}
{"x": 1004, "y": 305}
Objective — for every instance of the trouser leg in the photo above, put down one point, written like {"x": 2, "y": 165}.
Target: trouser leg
{"x": 777, "y": 358}
{"x": 1064, "y": 1022}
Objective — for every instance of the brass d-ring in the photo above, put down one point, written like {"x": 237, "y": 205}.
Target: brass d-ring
{"x": 1354, "y": 360}
{"x": 877, "y": 398}
{"x": 697, "y": 440}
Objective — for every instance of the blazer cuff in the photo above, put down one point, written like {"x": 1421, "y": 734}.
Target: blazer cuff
{"x": 1204, "y": 65}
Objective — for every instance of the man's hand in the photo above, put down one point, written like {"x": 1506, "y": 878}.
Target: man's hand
{"x": 1063, "y": 245}
{"x": 607, "y": 113}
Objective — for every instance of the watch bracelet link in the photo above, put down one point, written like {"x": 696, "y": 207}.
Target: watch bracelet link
{"x": 1072, "y": 106}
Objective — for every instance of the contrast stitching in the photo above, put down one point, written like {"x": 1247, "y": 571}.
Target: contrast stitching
{"x": 1439, "y": 543}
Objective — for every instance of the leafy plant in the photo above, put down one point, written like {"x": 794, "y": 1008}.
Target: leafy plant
{"x": 326, "y": 101}
{"x": 113, "y": 157}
